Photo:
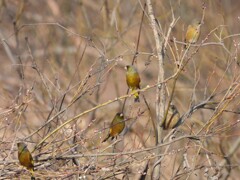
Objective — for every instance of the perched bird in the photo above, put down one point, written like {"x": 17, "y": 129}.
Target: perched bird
{"x": 116, "y": 127}
{"x": 25, "y": 157}
{"x": 193, "y": 32}
{"x": 133, "y": 81}
{"x": 172, "y": 118}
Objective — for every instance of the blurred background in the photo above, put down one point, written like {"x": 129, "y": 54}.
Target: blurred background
{"x": 62, "y": 58}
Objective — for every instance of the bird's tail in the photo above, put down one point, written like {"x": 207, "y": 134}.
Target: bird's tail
{"x": 136, "y": 96}
{"x": 32, "y": 176}
{"x": 108, "y": 136}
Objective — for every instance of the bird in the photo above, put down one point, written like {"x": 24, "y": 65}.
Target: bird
{"x": 172, "y": 119}
{"x": 116, "y": 127}
{"x": 133, "y": 81}
{"x": 193, "y": 32}
{"x": 25, "y": 157}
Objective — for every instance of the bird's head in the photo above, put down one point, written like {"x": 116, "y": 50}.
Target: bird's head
{"x": 21, "y": 145}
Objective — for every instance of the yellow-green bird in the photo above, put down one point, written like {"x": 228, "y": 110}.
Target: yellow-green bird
{"x": 25, "y": 157}
{"x": 116, "y": 126}
{"x": 172, "y": 118}
{"x": 133, "y": 81}
{"x": 193, "y": 32}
